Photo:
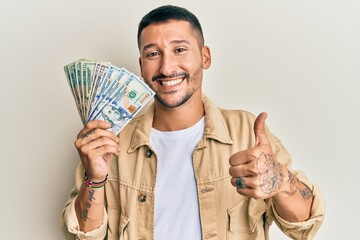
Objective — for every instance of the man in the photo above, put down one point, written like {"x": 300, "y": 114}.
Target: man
{"x": 185, "y": 169}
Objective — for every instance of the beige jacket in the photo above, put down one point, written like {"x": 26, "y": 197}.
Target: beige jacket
{"x": 224, "y": 213}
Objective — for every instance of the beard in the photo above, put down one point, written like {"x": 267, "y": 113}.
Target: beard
{"x": 197, "y": 77}
{"x": 175, "y": 104}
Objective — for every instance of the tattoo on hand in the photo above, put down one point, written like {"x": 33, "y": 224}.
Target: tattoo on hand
{"x": 296, "y": 185}
{"x": 87, "y": 134}
{"x": 85, "y": 211}
{"x": 271, "y": 176}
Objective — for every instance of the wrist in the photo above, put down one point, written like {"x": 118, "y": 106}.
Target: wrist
{"x": 95, "y": 184}
{"x": 291, "y": 185}
{"x": 286, "y": 189}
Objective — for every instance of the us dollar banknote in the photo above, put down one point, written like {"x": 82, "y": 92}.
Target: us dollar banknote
{"x": 106, "y": 92}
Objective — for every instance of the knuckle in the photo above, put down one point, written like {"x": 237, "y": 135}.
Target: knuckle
{"x": 233, "y": 182}
{"x": 76, "y": 143}
{"x": 231, "y": 171}
{"x": 258, "y": 194}
{"x": 236, "y": 158}
{"x": 253, "y": 171}
{"x": 254, "y": 186}
{"x": 241, "y": 191}
{"x": 235, "y": 171}
{"x": 104, "y": 140}
{"x": 253, "y": 153}
{"x": 108, "y": 148}
{"x": 89, "y": 124}
{"x": 95, "y": 132}
{"x": 231, "y": 159}
{"x": 82, "y": 149}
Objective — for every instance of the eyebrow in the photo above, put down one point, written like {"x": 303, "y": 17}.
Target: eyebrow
{"x": 150, "y": 45}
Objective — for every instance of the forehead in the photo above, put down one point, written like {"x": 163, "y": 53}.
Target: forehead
{"x": 157, "y": 33}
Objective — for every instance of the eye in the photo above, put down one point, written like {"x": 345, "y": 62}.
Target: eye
{"x": 180, "y": 50}
{"x": 152, "y": 54}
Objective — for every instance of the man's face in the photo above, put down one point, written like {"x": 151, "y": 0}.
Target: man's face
{"x": 172, "y": 61}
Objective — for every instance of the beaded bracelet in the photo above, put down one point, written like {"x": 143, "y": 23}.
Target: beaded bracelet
{"x": 92, "y": 184}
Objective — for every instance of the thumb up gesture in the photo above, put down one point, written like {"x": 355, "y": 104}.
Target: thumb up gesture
{"x": 255, "y": 173}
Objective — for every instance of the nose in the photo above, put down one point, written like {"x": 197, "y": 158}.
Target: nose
{"x": 168, "y": 64}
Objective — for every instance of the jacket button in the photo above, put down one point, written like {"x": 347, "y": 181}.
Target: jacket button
{"x": 206, "y": 190}
{"x": 211, "y": 235}
{"x": 142, "y": 198}
{"x": 148, "y": 153}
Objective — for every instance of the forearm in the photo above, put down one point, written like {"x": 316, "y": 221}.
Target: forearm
{"x": 294, "y": 202}
{"x": 89, "y": 207}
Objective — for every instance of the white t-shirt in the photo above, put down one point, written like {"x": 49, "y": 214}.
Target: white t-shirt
{"x": 176, "y": 200}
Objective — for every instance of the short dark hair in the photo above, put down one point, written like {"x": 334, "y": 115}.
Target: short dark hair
{"x": 166, "y": 13}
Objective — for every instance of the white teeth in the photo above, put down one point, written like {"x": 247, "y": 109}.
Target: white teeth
{"x": 171, "y": 83}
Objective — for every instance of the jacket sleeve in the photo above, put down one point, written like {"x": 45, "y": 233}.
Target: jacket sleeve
{"x": 297, "y": 230}
{"x": 69, "y": 222}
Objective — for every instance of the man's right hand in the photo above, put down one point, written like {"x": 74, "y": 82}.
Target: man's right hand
{"x": 96, "y": 145}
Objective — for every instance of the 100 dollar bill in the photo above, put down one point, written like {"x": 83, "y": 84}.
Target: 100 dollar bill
{"x": 112, "y": 81}
{"x": 125, "y": 103}
{"x": 103, "y": 91}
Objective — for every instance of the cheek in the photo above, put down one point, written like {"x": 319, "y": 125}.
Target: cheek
{"x": 191, "y": 64}
{"x": 148, "y": 82}
{"x": 148, "y": 70}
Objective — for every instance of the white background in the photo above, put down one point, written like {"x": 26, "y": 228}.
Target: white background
{"x": 297, "y": 60}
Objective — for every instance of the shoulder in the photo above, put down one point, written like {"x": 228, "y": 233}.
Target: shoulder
{"x": 230, "y": 117}
{"x": 238, "y": 117}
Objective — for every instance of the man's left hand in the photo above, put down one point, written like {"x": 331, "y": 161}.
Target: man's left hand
{"x": 255, "y": 172}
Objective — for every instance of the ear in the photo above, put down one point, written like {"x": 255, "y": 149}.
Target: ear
{"x": 206, "y": 57}
{"x": 140, "y": 64}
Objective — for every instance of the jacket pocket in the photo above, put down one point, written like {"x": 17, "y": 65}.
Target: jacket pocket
{"x": 124, "y": 221}
{"x": 117, "y": 224}
{"x": 246, "y": 216}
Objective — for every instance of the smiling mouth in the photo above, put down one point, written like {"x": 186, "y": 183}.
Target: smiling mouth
{"x": 171, "y": 80}
{"x": 171, "y": 83}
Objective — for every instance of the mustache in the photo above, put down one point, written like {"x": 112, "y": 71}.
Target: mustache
{"x": 173, "y": 75}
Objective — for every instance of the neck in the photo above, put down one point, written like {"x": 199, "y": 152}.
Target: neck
{"x": 184, "y": 116}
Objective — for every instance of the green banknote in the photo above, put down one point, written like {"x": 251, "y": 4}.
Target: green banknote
{"x": 103, "y": 91}
{"x": 124, "y": 103}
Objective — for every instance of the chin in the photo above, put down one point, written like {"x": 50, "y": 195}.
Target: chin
{"x": 173, "y": 103}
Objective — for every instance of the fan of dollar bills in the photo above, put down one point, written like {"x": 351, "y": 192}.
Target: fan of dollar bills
{"x": 103, "y": 91}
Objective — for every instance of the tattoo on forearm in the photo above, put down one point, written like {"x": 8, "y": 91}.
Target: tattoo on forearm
{"x": 306, "y": 193}
{"x": 271, "y": 176}
{"x": 293, "y": 182}
{"x": 296, "y": 185}
{"x": 85, "y": 211}
{"x": 84, "y": 214}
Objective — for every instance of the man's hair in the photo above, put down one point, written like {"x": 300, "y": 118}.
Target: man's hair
{"x": 166, "y": 13}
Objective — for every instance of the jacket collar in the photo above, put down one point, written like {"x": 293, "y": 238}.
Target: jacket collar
{"x": 215, "y": 127}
